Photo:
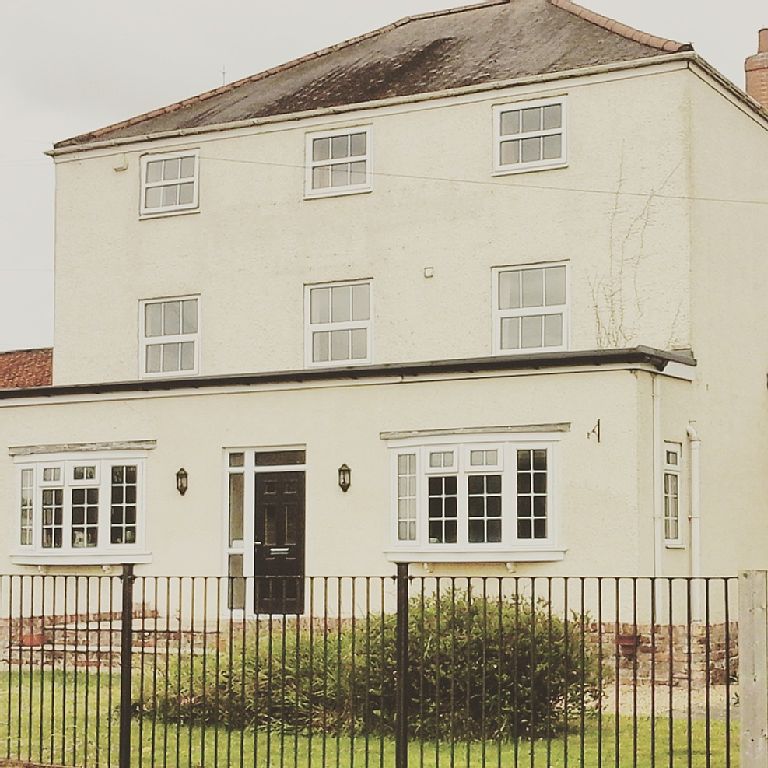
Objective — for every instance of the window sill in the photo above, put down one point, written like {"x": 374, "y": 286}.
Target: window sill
{"x": 164, "y": 214}
{"x": 341, "y": 192}
{"x": 544, "y": 555}
{"x": 530, "y": 168}
{"x": 104, "y": 558}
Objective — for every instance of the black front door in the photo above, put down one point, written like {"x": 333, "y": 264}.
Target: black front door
{"x": 279, "y": 543}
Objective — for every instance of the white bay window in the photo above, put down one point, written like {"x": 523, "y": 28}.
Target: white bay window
{"x": 478, "y": 499}
{"x": 86, "y": 508}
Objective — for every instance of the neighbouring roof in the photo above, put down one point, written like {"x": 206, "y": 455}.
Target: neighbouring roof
{"x": 25, "y": 368}
{"x": 487, "y": 42}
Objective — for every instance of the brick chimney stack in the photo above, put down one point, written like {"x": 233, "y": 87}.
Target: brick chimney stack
{"x": 756, "y": 68}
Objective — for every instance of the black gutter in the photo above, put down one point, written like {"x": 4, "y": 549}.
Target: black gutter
{"x": 656, "y": 358}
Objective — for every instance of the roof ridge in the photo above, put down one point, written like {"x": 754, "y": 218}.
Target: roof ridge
{"x": 662, "y": 43}
{"x": 205, "y": 95}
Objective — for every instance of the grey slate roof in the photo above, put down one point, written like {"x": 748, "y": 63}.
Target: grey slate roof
{"x": 473, "y": 45}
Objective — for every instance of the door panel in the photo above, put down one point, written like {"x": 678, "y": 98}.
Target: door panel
{"x": 279, "y": 512}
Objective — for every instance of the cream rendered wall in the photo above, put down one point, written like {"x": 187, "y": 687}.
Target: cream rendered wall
{"x": 729, "y": 254}
{"x": 599, "y": 483}
{"x": 256, "y": 241}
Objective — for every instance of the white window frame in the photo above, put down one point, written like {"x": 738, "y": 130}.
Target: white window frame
{"x": 556, "y": 309}
{"x": 311, "y": 164}
{"x": 677, "y": 542}
{"x": 146, "y": 341}
{"x": 105, "y": 553}
{"x": 537, "y": 165}
{"x": 310, "y": 328}
{"x": 146, "y": 212}
{"x": 511, "y": 548}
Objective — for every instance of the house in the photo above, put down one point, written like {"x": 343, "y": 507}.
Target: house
{"x": 24, "y": 368}
{"x": 481, "y": 290}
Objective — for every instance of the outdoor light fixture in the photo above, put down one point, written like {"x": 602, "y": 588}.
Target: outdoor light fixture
{"x": 345, "y": 477}
{"x": 181, "y": 481}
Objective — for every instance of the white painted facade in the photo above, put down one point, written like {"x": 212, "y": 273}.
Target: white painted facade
{"x": 655, "y": 215}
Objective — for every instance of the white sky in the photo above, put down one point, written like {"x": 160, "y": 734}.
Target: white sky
{"x": 70, "y": 67}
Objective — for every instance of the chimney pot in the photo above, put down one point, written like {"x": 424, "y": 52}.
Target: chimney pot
{"x": 762, "y": 46}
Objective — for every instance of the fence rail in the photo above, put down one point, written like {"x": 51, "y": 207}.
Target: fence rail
{"x": 369, "y": 671}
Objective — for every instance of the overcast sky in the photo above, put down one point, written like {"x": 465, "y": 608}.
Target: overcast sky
{"x": 70, "y": 67}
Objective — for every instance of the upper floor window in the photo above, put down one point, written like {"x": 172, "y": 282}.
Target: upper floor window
{"x": 338, "y": 162}
{"x": 530, "y": 309}
{"x": 80, "y": 504}
{"x": 338, "y": 323}
{"x": 529, "y": 135}
{"x": 170, "y": 338}
{"x": 169, "y": 182}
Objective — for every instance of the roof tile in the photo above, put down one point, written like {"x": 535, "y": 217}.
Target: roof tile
{"x": 24, "y": 368}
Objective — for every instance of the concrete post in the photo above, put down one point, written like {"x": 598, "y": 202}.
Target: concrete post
{"x": 753, "y": 668}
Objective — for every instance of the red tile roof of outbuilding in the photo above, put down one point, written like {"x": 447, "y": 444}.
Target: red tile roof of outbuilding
{"x": 23, "y": 368}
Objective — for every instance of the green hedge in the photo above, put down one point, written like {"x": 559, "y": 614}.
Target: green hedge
{"x": 478, "y": 668}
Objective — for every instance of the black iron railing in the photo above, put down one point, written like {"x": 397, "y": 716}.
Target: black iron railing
{"x": 419, "y": 670}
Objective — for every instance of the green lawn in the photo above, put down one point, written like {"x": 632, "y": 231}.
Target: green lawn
{"x": 69, "y": 719}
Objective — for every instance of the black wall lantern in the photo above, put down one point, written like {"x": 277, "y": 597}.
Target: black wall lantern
{"x": 181, "y": 481}
{"x": 345, "y": 477}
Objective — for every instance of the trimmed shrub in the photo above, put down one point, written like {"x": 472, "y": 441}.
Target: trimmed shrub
{"x": 478, "y": 668}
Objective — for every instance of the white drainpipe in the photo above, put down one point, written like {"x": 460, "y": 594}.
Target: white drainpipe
{"x": 694, "y": 517}
{"x": 658, "y": 487}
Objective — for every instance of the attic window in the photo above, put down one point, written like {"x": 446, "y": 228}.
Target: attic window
{"x": 529, "y": 136}
{"x": 169, "y": 182}
{"x": 338, "y": 162}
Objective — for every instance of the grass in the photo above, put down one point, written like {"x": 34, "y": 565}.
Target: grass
{"x": 69, "y": 719}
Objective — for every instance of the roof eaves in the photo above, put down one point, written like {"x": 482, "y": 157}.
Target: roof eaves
{"x": 662, "y": 43}
{"x": 170, "y": 108}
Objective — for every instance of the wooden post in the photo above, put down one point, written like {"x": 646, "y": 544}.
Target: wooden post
{"x": 753, "y": 668}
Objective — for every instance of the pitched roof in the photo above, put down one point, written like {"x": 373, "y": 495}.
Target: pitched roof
{"x": 25, "y": 368}
{"x": 476, "y": 44}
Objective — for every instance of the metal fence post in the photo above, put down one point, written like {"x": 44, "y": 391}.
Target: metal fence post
{"x": 753, "y": 668}
{"x": 401, "y": 725}
{"x": 126, "y": 646}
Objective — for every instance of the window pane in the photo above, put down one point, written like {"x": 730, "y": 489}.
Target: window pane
{"x": 509, "y": 290}
{"x": 236, "y": 598}
{"x": 553, "y": 330}
{"x": 340, "y": 345}
{"x": 153, "y": 319}
{"x": 171, "y": 169}
{"x": 153, "y": 197}
{"x": 153, "y": 358}
{"x": 340, "y": 175}
{"x": 510, "y": 333}
{"x": 171, "y": 357}
{"x": 154, "y": 171}
{"x": 319, "y": 305}
{"x": 552, "y": 147}
{"x": 186, "y": 194}
{"x": 533, "y": 287}
{"x": 321, "y": 177}
{"x": 341, "y": 300}
{"x": 359, "y": 344}
{"x": 530, "y": 151}
{"x": 339, "y": 147}
{"x": 555, "y": 286}
{"x": 509, "y": 153}
{"x": 188, "y": 356}
{"x": 171, "y": 318}
{"x": 510, "y": 122}
{"x": 321, "y": 149}
{"x": 320, "y": 346}
{"x": 553, "y": 117}
{"x": 170, "y": 195}
{"x": 357, "y": 144}
{"x": 357, "y": 173}
{"x": 531, "y": 332}
{"x": 532, "y": 119}
{"x": 236, "y": 490}
{"x": 236, "y": 459}
{"x": 189, "y": 316}
{"x": 187, "y": 167}
{"x": 361, "y": 302}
